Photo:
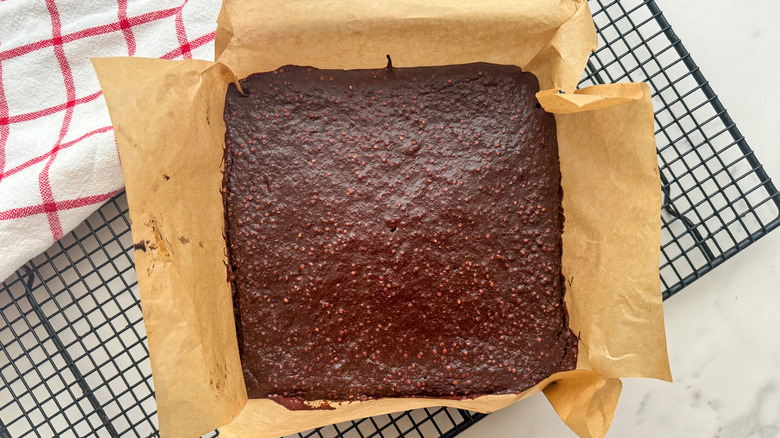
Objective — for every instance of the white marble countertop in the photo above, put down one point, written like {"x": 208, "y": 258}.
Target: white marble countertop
{"x": 721, "y": 330}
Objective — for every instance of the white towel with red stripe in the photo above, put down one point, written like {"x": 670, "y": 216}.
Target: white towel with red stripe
{"x": 58, "y": 157}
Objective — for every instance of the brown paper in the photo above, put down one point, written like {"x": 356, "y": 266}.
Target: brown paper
{"x": 169, "y": 129}
{"x": 552, "y": 39}
{"x": 611, "y": 202}
{"x": 585, "y": 401}
{"x": 167, "y": 117}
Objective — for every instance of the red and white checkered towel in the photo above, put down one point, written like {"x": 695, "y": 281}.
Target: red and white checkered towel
{"x": 58, "y": 158}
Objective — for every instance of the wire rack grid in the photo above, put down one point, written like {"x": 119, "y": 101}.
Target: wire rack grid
{"x": 73, "y": 354}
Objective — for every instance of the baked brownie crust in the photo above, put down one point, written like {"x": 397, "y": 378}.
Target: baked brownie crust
{"x": 394, "y": 232}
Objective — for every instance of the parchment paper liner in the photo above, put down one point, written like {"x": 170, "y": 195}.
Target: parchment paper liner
{"x": 167, "y": 117}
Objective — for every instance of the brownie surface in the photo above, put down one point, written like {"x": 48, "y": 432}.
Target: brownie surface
{"x": 394, "y": 232}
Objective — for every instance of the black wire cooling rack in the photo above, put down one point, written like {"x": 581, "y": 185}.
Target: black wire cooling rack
{"x": 74, "y": 361}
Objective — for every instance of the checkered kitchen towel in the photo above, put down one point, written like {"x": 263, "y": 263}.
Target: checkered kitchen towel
{"x": 58, "y": 158}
